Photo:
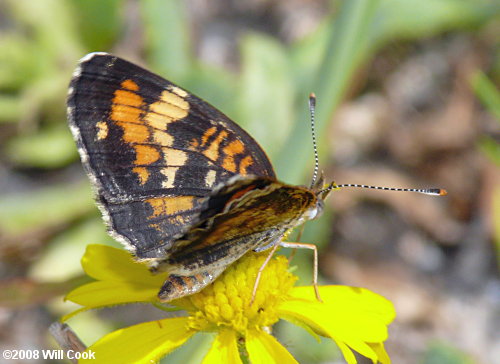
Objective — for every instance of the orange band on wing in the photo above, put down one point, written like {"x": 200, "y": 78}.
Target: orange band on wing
{"x": 170, "y": 205}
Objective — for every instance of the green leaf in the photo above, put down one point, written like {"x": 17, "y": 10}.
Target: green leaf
{"x": 167, "y": 37}
{"x": 44, "y": 208}
{"x": 16, "y": 62}
{"x": 51, "y": 26}
{"x": 10, "y": 109}
{"x": 50, "y": 148}
{"x": 347, "y": 43}
{"x": 215, "y": 85}
{"x": 487, "y": 93}
{"x": 412, "y": 19}
{"x": 100, "y": 22}
{"x": 266, "y": 92}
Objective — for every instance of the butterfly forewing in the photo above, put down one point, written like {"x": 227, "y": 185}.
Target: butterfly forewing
{"x": 153, "y": 151}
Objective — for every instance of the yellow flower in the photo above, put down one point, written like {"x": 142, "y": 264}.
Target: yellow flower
{"x": 355, "y": 318}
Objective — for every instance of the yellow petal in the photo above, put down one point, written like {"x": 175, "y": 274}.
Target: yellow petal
{"x": 379, "y": 348}
{"x": 349, "y": 312}
{"x": 335, "y": 327}
{"x": 353, "y": 316}
{"x": 303, "y": 325}
{"x": 361, "y": 347}
{"x": 109, "y": 293}
{"x": 224, "y": 349}
{"x": 346, "y": 352}
{"x": 71, "y": 314}
{"x": 143, "y": 343}
{"x": 264, "y": 348}
{"x": 111, "y": 264}
{"x": 358, "y": 298}
{"x": 323, "y": 320}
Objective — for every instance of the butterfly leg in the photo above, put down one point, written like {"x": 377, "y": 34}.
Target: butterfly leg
{"x": 299, "y": 235}
{"x": 177, "y": 286}
{"x": 261, "y": 269}
{"x": 315, "y": 249}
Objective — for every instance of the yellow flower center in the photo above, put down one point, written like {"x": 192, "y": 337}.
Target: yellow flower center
{"x": 226, "y": 302}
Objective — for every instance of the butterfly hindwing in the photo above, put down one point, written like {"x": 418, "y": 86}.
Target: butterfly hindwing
{"x": 255, "y": 215}
{"x": 153, "y": 151}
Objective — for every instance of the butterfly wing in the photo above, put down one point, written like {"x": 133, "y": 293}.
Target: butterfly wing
{"x": 153, "y": 151}
{"x": 257, "y": 213}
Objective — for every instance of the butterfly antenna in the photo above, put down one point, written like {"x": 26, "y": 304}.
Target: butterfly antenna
{"x": 312, "y": 109}
{"x": 425, "y": 191}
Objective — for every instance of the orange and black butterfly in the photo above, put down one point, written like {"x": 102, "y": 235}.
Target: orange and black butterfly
{"x": 182, "y": 186}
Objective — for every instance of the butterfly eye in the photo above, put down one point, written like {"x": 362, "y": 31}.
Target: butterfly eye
{"x": 314, "y": 211}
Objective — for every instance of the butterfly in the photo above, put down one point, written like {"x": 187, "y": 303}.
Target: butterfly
{"x": 181, "y": 185}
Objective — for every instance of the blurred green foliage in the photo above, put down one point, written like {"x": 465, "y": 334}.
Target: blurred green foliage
{"x": 100, "y": 23}
{"x": 442, "y": 353}
{"x": 45, "y": 208}
{"x": 270, "y": 93}
{"x": 489, "y": 95}
{"x": 42, "y": 41}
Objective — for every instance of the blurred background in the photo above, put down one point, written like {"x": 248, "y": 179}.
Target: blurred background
{"x": 407, "y": 97}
